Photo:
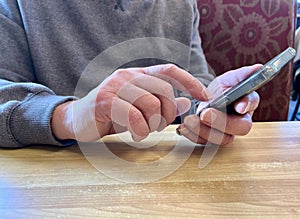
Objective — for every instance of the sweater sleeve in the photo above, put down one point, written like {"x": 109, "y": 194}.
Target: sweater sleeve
{"x": 26, "y": 107}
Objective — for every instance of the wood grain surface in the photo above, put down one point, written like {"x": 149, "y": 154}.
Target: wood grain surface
{"x": 257, "y": 176}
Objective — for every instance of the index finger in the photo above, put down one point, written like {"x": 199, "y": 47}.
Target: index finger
{"x": 180, "y": 79}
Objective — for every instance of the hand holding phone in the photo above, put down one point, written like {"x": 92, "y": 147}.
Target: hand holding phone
{"x": 252, "y": 83}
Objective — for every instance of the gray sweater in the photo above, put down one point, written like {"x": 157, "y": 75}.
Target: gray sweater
{"x": 45, "y": 45}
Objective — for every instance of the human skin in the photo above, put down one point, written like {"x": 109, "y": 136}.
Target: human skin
{"x": 141, "y": 100}
{"x": 220, "y": 127}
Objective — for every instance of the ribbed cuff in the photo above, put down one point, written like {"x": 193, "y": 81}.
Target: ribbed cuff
{"x": 30, "y": 121}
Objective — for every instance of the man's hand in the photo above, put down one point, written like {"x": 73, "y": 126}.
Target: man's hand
{"x": 140, "y": 100}
{"x": 216, "y": 126}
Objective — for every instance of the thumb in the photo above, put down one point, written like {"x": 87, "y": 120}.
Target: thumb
{"x": 183, "y": 105}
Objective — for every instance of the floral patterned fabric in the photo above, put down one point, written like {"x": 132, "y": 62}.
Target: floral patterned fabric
{"x": 236, "y": 33}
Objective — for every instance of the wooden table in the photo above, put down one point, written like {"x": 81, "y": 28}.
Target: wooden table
{"x": 257, "y": 176}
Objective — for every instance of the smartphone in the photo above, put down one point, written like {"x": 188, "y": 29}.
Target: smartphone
{"x": 252, "y": 83}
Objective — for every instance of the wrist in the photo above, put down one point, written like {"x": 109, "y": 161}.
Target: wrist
{"x": 61, "y": 122}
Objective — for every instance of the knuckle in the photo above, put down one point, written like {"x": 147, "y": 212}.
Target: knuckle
{"x": 193, "y": 82}
{"x": 246, "y": 129}
{"x": 171, "y": 67}
{"x": 226, "y": 139}
{"x": 120, "y": 71}
{"x": 135, "y": 117}
{"x": 152, "y": 104}
{"x": 243, "y": 127}
{"x": 104, "y": 99}
{"x": 166, "y": 89}
{"x": 125, "y": 74}
{"x": 246, "y": 124}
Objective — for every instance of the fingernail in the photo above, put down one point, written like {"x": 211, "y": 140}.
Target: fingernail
{"x": 178, "y": 130}
{"x": 242, "y": 107}
{"x": 207, "y": 94}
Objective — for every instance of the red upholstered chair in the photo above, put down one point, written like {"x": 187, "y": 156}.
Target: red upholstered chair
{"x": 236, "y": 33}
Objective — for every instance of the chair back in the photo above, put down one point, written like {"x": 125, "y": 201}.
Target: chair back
{"x": 236, "y": 33}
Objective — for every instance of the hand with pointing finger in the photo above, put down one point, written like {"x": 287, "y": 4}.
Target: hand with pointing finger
{"x": 138, "y": 100}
